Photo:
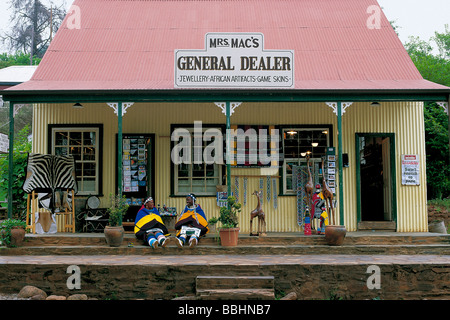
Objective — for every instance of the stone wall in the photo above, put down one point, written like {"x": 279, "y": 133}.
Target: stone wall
{"x": 322, "y": 281}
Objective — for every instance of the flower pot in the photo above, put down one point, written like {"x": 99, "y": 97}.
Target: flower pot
{"x": 114, "y": 236}
{"x": 229, "y": 237}
{"x": 334, "y": 235}
{"x": 17, "y": 236}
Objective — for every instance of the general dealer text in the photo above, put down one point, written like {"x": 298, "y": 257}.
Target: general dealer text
{"x": 252, "y": 63}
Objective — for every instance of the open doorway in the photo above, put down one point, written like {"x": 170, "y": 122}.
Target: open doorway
{"x": 375, "y": 170}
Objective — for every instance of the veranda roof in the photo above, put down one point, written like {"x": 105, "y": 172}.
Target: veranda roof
{"x": 128, "y": 45}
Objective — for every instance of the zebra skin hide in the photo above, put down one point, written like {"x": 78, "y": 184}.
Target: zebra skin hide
{"x": 47, "y": 173}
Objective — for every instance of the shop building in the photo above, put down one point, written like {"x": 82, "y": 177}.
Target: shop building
{"x": 330, "y": 79}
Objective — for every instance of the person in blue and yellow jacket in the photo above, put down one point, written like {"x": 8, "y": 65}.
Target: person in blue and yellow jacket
{"x": 192, "y": 223}
{"x": 149, "y": 227}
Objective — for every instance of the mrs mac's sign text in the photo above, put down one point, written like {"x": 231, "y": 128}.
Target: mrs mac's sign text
{"x": 234, "y": 60}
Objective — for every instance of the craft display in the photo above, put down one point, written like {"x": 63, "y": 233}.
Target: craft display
{"x": 258, "y": 212}
{"x": 275, "y": 193}
{"x": 245, "y": 190}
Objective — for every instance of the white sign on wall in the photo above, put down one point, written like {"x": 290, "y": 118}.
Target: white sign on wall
{"x": 234, "y": 60}
{"x": 4, "y": 143}
{"x": 410, "y": 170}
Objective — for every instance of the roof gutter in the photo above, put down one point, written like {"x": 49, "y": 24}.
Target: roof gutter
{"x": 212, "y": 95}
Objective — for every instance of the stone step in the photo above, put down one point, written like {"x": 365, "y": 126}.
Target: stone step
{"x": 352, "y": 238}
{"x": 235, "y": 287}
{"x": 202, "y": 249}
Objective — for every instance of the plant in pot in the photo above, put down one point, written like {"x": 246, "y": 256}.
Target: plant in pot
{"x": 114, "y": 230}
{"x": 12, "y": 232}
{"x": 229, "y": 232}
{"x": 212, "y": 224}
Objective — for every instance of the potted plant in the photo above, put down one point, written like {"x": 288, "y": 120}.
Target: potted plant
{"x": 114, "y": 230}
{"x": 229, "y": 231}
{"x": 212, "y": 224}
{"x": 12, "y": 232}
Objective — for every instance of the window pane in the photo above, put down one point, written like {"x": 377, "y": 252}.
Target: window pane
{"x": 89, "y": 138}
{"x": 61, "y": 151}
{"x": 75, "y": 138}
{"x": 89, "y": 169}
{"x": 76, "y": 153}
{"x": 289, "y": 183}
{"x": 198, "y": 185}
{"x": 89, "y": 184}
{"x": 184, "y": 186}
{"x": 198, "y": 170}
{"x": 61, "y": 138}
{"x": 183, "y": 170}
{"x": 89, "y": 154}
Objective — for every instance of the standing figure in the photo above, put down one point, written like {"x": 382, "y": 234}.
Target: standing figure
{"x": 258, "y": 212}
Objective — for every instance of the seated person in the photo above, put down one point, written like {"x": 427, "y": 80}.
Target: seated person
{"x": 149, "y": 227}
{"x": 192, "y": 223}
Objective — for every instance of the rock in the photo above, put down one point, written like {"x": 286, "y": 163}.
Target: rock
{"x": 31, "y": 291}
{"x": 38, "y": 297}
{"x": 290, "y": 296}
{"x": 77, "y": 297}
{"x": 55, "y": 297}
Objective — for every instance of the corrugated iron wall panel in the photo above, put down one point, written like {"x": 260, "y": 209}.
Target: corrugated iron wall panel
{"x": 403, "y": 119}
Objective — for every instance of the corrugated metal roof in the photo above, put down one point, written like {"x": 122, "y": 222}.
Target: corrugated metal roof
{"x": 129, "y": 44}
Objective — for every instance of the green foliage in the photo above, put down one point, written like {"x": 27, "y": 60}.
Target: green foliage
{"x": 20, "y": 154}
{"x": 435, "y": 67}
{"x": 117, "y": 209}
{"x": 228, "y": 215}
{"x": 5, "y": 229}
{"x": 17, "y": 59}
{"x": 437, "y": 149}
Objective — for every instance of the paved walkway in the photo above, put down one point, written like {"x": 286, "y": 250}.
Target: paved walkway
{"x": 210, "y": 260}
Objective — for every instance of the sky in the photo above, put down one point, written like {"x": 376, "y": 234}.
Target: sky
{"x": 413, "y": 17}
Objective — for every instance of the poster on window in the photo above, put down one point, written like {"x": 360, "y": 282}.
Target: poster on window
{"x": 410, "y": 170}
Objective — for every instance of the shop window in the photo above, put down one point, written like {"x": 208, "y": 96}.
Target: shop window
{"x": 84, "y": 144}
{"x": 195, "y": 174}
{"x": 298, "y": 143}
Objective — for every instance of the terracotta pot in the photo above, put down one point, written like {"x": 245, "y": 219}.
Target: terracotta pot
{"x": 17, "y": 236}
{"x": 114, "y": 236}
{"x": 334, "y": 235}
{"x": 229, "y": 237}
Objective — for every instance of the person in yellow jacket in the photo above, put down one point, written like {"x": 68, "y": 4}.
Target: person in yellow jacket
{"x": 192, "y": 223}
{"x": 149, "y": 227}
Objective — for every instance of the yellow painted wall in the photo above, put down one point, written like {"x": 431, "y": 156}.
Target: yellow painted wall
{"x": 403, "y": 119}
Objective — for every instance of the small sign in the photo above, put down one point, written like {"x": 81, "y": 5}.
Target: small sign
{"x": 234, "y": 60}
{"x": 410, "y": 170}
{"x": 4, "y": 143}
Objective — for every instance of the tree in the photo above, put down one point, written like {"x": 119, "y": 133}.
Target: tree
{"x": 435, "y": 68}
{"x": 21, "y": 148}
{"x": 33, "y": 25}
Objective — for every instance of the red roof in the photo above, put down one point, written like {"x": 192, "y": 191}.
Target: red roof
{"x": 130, "y": 44}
